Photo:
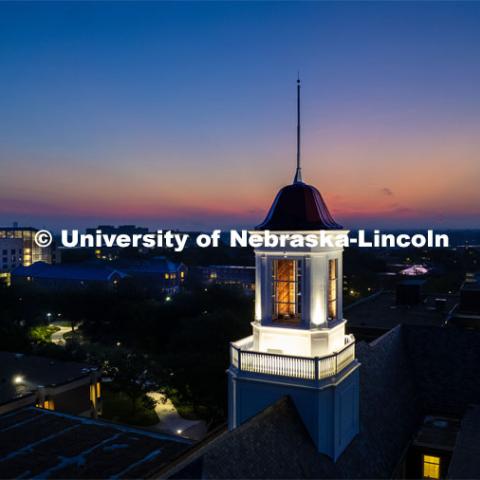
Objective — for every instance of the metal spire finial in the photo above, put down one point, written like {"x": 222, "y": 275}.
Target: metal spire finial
{"x": 298, "y": 173}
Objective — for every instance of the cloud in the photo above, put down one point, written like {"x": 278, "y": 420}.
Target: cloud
{"x": 386, "y": 191}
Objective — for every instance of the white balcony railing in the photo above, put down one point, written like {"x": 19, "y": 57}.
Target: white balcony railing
{"x": 308, "y": 368}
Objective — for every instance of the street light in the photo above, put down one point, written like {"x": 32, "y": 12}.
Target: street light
{"x": 18, "y": 379}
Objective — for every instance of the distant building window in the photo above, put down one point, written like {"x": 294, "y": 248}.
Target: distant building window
{"x": 47, "y": 404}
{"x": 286, "y": 290}
{"x": 332, "y": 288}
{"x": 95, "y": 393}
{"x": 431, "y": 466}
{"x": 4, "y": 252}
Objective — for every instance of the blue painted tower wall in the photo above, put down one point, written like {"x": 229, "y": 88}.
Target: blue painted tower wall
{"x": 330, "y": 412}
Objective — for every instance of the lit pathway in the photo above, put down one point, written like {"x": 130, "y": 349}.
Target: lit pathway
{"x": 172, "y": 422}
{"x": 57, "y": 337}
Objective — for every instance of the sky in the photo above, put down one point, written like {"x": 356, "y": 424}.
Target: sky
{"x": 183, "y": 114}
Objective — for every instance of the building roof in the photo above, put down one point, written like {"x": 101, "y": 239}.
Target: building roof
{"x": 465, "y": 461}
{"x": 417, "y": 282}
{"x": 438, "y": 433}
{"x": 280, "y": 435}
{"x": 472, "y": 282}
{"x": 382, "y": 312}
{"x": 150, "y": 265}
{"x": 298, "y": 207}
{"x": 34, "y": 371}
{"x": 67, "y": 272}
{"x": 13, "y": 229}
{"x": 230, "y": 267}
{"x": 44, "y": 444}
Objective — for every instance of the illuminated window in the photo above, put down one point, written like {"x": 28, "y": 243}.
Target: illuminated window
{"x": 286, "y": 290}
{"x": 332, "y": 288}
{"x": 47, "y": 404}
{"x": 167, "y": 276}
{"x": 182, "y": 274}
{"x": 93, "y": 395}
{"x": 431, "y": 467}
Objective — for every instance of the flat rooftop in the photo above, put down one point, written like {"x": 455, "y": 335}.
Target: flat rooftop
{"x": 44, "y": 444}
{"x": 381, "y": 311}
{"x": 438, "y": 432}
{"x": 20, "y": 375}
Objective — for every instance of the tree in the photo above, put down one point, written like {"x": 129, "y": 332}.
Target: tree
{"x": 131, "y": 374}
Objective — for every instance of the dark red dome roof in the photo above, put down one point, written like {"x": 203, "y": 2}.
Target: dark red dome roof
{"x": 299, "y": 207}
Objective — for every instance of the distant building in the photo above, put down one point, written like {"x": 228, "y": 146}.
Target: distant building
{"x": 11, "y": 251}
{"x": 67, "y": 276}
{"x": 121, "y": 229}
{"x": 414, "y": 271}
{"x": 242, "y": 276}
{"x": 371, "y": 317}
{"x": 467, "y": 313}
{"x": 157, "y": 274}
{"x": 111, "y": 253}
{"x": 410, "y": 292}
{"x": 18, "y": 247}
{"x": 51, "y": 384}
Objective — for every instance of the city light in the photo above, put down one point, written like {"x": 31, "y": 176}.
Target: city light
{"x": 18, "y": 379}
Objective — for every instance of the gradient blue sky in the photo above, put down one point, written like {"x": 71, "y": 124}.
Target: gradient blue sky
{"x": 183, "y": 114}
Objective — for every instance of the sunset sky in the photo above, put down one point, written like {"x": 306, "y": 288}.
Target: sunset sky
{"x": 183, "y": 115}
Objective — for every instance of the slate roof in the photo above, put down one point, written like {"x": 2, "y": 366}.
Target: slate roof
{"x": 465, "y": 462}
{"x": 298, "y": 207}
{"x": 35, "y": 371}
{"x": 46, "y": 444}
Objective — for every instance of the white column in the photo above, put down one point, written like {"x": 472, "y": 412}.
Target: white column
{"x": 318, "y": 299}
{"x": 258, "y": 288}
{"x": 340, "y": 286}
{"x": 266, "y": 289}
